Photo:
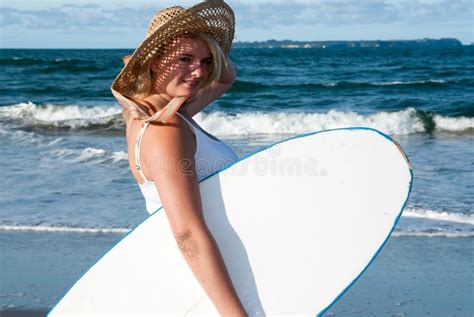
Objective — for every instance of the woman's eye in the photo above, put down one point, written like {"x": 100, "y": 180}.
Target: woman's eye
{"x": 184, "y": 59}
{"x": 207, "y": 61}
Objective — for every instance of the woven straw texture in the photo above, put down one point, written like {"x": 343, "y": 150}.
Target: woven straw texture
{"x": 214, "y": 17}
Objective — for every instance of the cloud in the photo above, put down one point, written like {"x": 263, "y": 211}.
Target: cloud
{"x": 68, "y": 17}
{"x": 256, "y": 14}
{"x": 344, "y": 12}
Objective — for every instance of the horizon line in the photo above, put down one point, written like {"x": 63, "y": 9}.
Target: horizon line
{"x": 262, "y": 41}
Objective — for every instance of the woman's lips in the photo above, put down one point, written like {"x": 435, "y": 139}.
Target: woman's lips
{"x": 192, "y": 83}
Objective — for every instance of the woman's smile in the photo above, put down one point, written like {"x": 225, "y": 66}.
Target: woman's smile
{"x": 192, "y": 83}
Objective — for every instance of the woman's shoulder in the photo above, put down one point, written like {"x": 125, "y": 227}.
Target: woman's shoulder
{"x": 173, "y": 139}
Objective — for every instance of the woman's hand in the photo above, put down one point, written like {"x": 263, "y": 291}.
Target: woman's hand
{"x": 213, "y": 90}
{"x": 126, "y": 58}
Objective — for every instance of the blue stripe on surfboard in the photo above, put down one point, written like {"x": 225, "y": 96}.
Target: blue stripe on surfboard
{"x": 254, "y": 153}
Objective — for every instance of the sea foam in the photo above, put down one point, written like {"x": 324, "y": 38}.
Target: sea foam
{"x": 408, "y": 121}
{"x": 403, "y": 122}
{"x": 90, "y": 154}
{"x": 439, "y": 215}
{"x": 94, "y": 230}
{"x": 70, "y": 116}
{"x": 62, "y": 229}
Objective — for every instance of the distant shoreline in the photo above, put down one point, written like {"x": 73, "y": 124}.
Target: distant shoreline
{"x": 424, "y": 43}
{"x": 417, "y": 43}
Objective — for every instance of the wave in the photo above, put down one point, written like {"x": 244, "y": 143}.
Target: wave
{"x": 248, "y": 86}
{"x": 30, "y": 116}
{"x": 60, "y": 229}
{"x": 53, "y": 147}
{"x": 461, "y": 225}
{"x": 433, "y": 234}
{"x": 73, "y": 69}
{"x": 435, "y": 223}
{"x": 451, "y": 124}
{"x": 101, "y": 155}
{"x": 54, "y": 117}
{"x": 58, "y": 64}
{"x": 23, "y": 61}
{"x": 408, "y": 121}
{"x": 91, "y": 155}
{"x": 439, "y": 215}
{"x": 27, "y": 137}
{"x": 410, "y": 83}
{"x": 89, "y": 230}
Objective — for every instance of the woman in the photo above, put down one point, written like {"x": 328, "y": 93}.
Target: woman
{"x": 177, "y": 71}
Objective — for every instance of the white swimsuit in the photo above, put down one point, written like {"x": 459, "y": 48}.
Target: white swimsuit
{"x": 211, "y": 155}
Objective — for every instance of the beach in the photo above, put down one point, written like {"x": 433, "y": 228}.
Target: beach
{"x": 400, "y": 282}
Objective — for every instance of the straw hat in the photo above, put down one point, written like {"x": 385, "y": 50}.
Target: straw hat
{"x": 214, "y": 17}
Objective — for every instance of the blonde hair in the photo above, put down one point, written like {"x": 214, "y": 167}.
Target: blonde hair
{"x": 146, "y": 78}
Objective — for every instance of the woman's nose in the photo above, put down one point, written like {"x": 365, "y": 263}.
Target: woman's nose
{"x": 198, "y": 70}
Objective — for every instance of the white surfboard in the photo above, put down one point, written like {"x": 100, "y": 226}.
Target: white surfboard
{"x": 296, "y": 223}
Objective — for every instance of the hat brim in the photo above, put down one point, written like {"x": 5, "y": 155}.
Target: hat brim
{"x": 214, "y": 17}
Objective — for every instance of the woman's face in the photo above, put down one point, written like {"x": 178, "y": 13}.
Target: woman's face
{"x": 184, "y": 67}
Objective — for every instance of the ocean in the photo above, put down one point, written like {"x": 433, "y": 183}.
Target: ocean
{"x": 65, "y": 174}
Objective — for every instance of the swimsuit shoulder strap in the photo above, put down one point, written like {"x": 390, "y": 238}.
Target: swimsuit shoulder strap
{"x": 138, "y": 145}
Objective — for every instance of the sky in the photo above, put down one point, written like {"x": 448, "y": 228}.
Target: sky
{"x": 122, "y": 24}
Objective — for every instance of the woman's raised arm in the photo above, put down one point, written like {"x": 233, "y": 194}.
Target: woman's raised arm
{"x": 212, "y": 91}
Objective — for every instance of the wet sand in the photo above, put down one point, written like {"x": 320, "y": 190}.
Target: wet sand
{"x": 412, "y": 276}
